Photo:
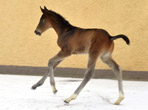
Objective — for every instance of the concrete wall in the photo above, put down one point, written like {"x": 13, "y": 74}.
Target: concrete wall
{"x": 20, "y": 46}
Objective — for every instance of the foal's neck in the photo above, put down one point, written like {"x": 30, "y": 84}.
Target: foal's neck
{"x": 60, "y": 26}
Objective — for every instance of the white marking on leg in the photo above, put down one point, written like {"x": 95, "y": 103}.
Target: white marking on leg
{"x": 72, "y": 97}
{"x": 54, "y": 89}
{"x": 121, "y": 97}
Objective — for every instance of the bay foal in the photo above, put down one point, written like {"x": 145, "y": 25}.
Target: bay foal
{"x": 74, "y": 40}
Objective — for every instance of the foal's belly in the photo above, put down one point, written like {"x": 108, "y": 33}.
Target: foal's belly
{"x": 81, "y": 50}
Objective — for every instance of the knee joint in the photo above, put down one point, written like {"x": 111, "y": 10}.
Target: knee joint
{"x": 51, "y": 62}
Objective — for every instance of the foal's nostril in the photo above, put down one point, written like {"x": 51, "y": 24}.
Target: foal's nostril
{"x": 37, "y": 32}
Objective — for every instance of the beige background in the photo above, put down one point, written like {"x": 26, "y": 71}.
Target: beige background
{"x": 20, "y": 46}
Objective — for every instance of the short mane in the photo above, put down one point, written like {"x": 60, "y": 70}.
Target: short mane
{"x": 61, "y": 18}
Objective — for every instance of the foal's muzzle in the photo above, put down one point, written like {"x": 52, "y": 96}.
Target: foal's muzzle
{"x": 37, "y": 33}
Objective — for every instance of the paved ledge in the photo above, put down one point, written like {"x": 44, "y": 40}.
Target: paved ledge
{"x": 72, "y": 72}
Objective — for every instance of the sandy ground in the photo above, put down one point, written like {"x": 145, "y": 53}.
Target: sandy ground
{"x": 15, "y": 94}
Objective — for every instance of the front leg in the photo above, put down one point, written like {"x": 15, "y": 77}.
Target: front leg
{"x": 42, "y": 80}
{"x": 53, "y": 62}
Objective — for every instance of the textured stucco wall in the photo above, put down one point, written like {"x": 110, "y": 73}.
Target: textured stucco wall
{"x": 20, "y": 46}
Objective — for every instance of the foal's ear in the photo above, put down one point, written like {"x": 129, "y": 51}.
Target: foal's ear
{"x": 42, "y": 9}
{"x": 45, "y": 8}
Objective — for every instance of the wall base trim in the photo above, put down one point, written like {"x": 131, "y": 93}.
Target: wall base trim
{"x": 72, "y": 72}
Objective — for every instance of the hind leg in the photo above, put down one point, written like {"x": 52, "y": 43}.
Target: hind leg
{"x": 87, "y": 77}
{"x": 118, "y": 72}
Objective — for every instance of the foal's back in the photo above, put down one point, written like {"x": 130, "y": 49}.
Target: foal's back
{"x": 90, "y": 40}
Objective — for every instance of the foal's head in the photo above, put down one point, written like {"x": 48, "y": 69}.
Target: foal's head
{"x": 44, "y": 22}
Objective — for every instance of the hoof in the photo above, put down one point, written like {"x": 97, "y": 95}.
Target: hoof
{"x": 72, "y": 97}
{"x": 117, "y": 103}
{"x": 121, "y": 97}
{"x": 66, "y": 101}
{"x": 33, "y": 87}
{"x": 55, "y": 91}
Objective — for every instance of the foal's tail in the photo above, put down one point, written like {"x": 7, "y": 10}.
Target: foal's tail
{"x": 125, "y": 38}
